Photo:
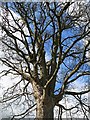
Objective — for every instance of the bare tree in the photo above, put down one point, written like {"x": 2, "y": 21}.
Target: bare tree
{"x": 43, "y": 43}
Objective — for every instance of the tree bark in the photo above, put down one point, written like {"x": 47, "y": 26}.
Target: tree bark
{"x": 45, "y": 103}
{"x": 44, "y": 109}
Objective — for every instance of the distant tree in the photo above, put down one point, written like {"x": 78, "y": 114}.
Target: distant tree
{"x": 43, "y": 43}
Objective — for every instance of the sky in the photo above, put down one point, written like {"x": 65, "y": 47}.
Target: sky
{"x": 4, "y": 84}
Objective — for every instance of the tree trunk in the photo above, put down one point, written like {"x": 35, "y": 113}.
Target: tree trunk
{"x": 45, "y": 103}
{"x": 44, "y": 108}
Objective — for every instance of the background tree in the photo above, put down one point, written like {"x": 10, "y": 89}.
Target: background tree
{"x": 43, "y": 43}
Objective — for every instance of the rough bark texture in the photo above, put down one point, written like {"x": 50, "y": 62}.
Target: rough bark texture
{"x": 45, "y": 103}
{"x": 44, "y": 109}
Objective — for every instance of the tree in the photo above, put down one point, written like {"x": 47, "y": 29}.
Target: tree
{"x": 44, "y": 45}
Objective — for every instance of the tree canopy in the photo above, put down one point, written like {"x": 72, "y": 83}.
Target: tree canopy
{"x": 47, "y": 45}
